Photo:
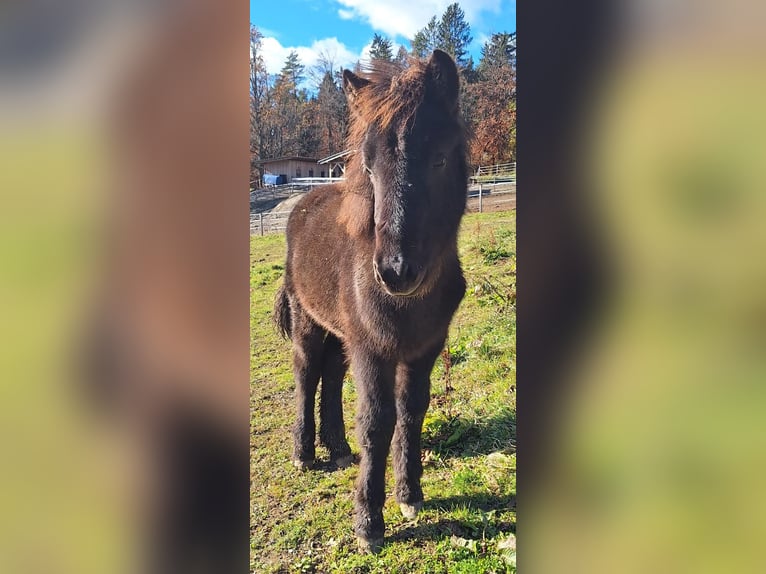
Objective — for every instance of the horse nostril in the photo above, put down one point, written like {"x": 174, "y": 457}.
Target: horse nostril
{"x": 399, "y": 266}
{"x": 394, "y": 272}
{"x": 402, "y": 270}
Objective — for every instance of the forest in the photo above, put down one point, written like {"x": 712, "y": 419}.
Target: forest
{"x": 301, "y": 111}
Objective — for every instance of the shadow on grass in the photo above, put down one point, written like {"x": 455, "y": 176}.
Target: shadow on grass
{"x": 324, "y": 464}
{"x": 472, "y": 529}
{"x": 460, "y": 437}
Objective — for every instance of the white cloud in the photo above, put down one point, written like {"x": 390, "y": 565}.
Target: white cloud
{"x": 479, "y": 40}
{"x": 275, "y": 54}
{"x": 365, "y": 55}
{"x": 405, "y": 17}
{"x": 345, "y": 14}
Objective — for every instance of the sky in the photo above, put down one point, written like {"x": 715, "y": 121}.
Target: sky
{"x": 343, "y": 29}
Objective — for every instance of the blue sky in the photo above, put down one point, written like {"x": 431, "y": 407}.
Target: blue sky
{"x": 343, "y": 29}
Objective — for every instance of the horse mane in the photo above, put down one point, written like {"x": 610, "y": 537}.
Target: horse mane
{"x": 393, "y": 95}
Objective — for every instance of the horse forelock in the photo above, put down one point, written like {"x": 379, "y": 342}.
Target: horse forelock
{"x": 390, "y": 100}
{"x": 393, "y": 94}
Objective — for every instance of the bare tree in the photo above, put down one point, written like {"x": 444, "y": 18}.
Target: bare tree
{"x": 259, "y": 94}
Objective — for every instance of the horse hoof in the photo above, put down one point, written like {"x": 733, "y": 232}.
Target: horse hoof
{"x": 303, "y": 464}
{"x": 369, "y": 546}
{"x": 410, "y": 511}
{"x": 344, "y": 461}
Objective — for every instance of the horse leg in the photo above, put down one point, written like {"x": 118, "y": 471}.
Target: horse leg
{"x": 375, "y": 420}
{"x": 413, "y": 387}
{"x": 308, "y": 343}
{"x": 332, "y": 430}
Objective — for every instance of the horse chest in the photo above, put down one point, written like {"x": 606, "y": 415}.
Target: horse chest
{"x": 405, "y": 330}
{"x": 401, "y": 328}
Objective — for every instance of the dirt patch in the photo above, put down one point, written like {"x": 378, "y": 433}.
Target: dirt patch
{"x": 287, "y": 204}
{"x": 491, "y": 203}
{"x": 266, "y": 200}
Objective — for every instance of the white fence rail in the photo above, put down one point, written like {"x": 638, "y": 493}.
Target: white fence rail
{"x": 317, "y": 180}
{"x": 497, "y": 169}
{"x": 481, "y": 197}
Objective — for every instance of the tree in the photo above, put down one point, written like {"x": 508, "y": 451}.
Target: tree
{"x": 454, "y": 34}
{"x": 332, "y": 115}
{"x": 402, "y": 57}
{"x": 309, "y": 136}
{"x": 498, "y": 51}
{"x": 292, "y": 72}
{"x": 426, "y": 40}
{"x": 493, "y": 117}
{"x": 381, "y": 49}
{"x": 451, "y": 33}
{"x": 259, "y": 89}
{"x": 284, "y": 118}
{"x": 258, "y": 74}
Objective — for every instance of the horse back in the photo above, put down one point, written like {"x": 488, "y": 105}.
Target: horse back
{"x": 320, "y": 255}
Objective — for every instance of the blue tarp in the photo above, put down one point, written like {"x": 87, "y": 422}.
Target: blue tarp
{"x": 272, "y": 179}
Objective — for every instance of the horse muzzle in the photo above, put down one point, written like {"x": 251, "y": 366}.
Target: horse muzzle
{"x": 396, "y": 275}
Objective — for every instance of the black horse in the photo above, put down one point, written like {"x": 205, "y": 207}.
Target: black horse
{"x": 373, "y": 278}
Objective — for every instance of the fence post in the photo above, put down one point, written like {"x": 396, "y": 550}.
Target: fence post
{"x": 260, "y": 221}
{"x": 479, "y": 198}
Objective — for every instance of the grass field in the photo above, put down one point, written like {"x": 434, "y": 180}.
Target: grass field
{"x": 301, "y": 522}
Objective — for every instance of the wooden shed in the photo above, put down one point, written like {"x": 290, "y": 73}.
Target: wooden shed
{"x": 292, "y": 167}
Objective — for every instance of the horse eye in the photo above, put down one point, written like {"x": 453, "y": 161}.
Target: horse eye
{"x": 441, "y": 161}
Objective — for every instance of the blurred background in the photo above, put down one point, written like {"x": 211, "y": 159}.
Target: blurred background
{"x": 642, "y": 326}
{"x": 123, "y": 248}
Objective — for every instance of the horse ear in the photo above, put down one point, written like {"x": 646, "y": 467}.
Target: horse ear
{"x": 444, "y": 78}
{"x": 352, "y": 84}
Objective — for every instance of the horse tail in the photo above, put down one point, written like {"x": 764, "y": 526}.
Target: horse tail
{"x": 282, "y": 313}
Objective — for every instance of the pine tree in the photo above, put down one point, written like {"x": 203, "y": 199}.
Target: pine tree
{"x": 451, "y": 33}
{"x": 498, "y": 51}
{"x": 426, "y": 40}
{"x": 291, "y": 73}
{"x": 454, "y": 34}
{"x": 381, "y": 49}
{"x": 286, "y": 106}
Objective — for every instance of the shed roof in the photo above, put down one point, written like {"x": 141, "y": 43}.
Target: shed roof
{"x": 335, "y": 156}
{"x": 286, "y": 158}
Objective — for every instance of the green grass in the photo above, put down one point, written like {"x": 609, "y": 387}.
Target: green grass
{"x": 301, "y": 522}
